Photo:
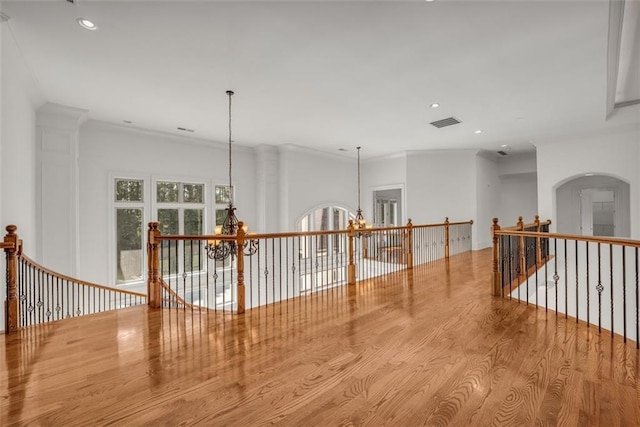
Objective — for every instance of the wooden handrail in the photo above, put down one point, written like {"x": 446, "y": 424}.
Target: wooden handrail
{"x": 174, "y": 294}
{"x": 258, "y": 236}
{"x": 528, "y": 225}
{"x": 45, "y": 270}
{"x": 241, "y": 242}
{"x": 578, "y": 237}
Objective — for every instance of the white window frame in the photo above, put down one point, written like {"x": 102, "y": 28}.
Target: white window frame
{"x": 112, "y": 242}
{"x": 155, "y": 206}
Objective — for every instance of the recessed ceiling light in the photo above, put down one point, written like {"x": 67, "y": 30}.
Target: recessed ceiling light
{"x": 503, "y": 145}
{"x": 429, "y": 1}
{"x": 479, "y": 131}
{"x": 435, "y": 105}
{"x": 588, "y": 174}
{"x": 87, "y": 24}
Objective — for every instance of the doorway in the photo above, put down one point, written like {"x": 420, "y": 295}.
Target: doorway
{"x": 594, "y": 205}
{"x": 387, "y": 207}
{"x": 597, "y": 212}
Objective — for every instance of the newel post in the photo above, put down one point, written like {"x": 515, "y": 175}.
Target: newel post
{"x": 446, "y": 238}
{"x": 240, "y": 239}
{"x": 521, "y": 249}
{"x": 153, "y": 280}
{"x": 11, "y": 304}
{"x": 351, "y": 268}
{"x": 410, "y": 243}
{"x": 538, "y": 247}
{"x": 497, "y": 282}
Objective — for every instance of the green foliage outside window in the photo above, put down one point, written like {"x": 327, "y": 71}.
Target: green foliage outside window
{"x": 128, "y": 190}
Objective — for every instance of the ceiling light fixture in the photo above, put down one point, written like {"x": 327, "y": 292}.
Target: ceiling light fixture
{"x": 479, "y": 131}
{"x": 360, "y": 223}
{"x": 87, "y": 24}
{"x": 504, "y": 146}
{"x": 435, "y": 105}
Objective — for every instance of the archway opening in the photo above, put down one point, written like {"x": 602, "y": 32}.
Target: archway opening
{"x": 594, "y": 205}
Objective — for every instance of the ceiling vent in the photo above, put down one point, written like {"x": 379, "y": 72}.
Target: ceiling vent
{"x": 446, "y": 122}
{"x": 4, "y": 17}
{"x": 502, "y": 153}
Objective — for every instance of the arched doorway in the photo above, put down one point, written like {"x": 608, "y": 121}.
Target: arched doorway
{"x": 594, "y": 205}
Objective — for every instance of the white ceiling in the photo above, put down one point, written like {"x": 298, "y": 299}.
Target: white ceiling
{"x": 327, "y": 75}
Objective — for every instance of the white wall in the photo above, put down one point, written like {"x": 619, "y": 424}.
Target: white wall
{"x": 384, "y": 173}
{"x": 615, "y": 154}
{"x": 518, "y": 188}
{"x": 488, "y": 199}
{"x": 19, "y": 101}
{"x": 441, "y": 184}
{"x": 107, "y": 151}
{"x": 310, "y": 178}
{"x": 518, "y": 197}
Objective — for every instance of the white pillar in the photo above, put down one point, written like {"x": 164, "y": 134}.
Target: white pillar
{"x": 267, "y": 189}
{"x": 57, "y": 204}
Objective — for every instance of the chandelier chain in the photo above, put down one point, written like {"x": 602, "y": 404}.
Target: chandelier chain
{"x": 358, "y": 177}
{"x": 230, "y": 92}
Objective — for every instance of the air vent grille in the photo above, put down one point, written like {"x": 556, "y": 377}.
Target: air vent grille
{"x": 449, "y": 121}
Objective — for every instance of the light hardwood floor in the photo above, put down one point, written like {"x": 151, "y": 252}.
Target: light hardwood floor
{"x": 430, "y": 347}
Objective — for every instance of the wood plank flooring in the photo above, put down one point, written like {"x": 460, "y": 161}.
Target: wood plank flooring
{"x": 431, "y": 347}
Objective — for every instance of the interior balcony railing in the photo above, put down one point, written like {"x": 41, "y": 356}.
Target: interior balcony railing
{"x": 591, "y": 279}
{"x": 185, "y": 272}
{"x": 36, "y": 294}
{"x": 260, "y": 269}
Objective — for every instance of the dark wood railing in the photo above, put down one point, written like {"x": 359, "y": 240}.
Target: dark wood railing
{"x": 593, "y": 279}
{"x": 36, "y": 294}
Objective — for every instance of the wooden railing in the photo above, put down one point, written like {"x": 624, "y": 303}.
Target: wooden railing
{"x": 265, "y": 268}
{"x": 36, "y": 294}
{"x": 593, "y": 279}
{"x": 524, "y": 254}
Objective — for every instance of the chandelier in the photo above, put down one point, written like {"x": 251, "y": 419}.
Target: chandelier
{"x": 360, "y": 223}
{"x": 218, "y": 249}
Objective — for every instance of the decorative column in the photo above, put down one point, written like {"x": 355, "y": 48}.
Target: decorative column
{"x": 57, "y": 186}
{"x": 153, "y": 277}
{"x": 240, "y": 239}
{"x": 351, "y": 268}
{"x": 267, "y": 171}
{"x": 11, "y": 304}
{"x": 538, "y": 247}
{"x": 497, "y": 282}
{"x": 410, "y": 243}
{"x": 446, "y": 238}
{"x": 521, "y": 251}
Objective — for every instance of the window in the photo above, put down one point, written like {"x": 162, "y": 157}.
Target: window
{"x": 322, "y": 219}
{"x": 129, "y": 207}
{"x": 180, "y": 210}
{"x": 223, "y": 196}
{"x": 323, "y": 258}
